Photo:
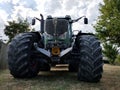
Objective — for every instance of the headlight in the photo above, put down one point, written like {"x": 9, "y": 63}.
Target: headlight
{"x": 63, "y": 36}
{"x": 49, "y": 36}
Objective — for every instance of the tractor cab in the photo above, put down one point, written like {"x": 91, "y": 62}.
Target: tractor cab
{"x": 58, "y": 32}
{"x": 56, "y": 26}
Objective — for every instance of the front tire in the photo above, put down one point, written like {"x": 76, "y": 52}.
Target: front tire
{"x": 91, "y": 64}
{"x": 22, "y": 63}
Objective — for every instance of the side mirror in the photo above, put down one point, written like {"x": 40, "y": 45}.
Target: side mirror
{"x": 85, "y": 20}
{"x": 33, "y": 21}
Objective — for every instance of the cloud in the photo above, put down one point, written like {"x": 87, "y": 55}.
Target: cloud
{"x": 28, "y": 4}
{"x": 69, "y": 4}
{"x": 52, "y": 6}
{"x": 7, "y": 6}
{"x": 3, "y": 18}
{"x": 93, "y": 10}
{"x": 11, "y": 9}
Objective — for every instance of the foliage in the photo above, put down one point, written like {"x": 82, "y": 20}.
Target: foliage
{"x": 15, "y": 27}
{"x": 108, "y": 24}
{"x": 117, "y": 60}
{"x": 110, "y": 52}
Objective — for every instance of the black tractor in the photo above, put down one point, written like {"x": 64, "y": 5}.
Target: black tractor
{"x": 54, "y": 44}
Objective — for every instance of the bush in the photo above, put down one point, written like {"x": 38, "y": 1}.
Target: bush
{"x": 110, "y": 51}
{"x": 117, "y": 60}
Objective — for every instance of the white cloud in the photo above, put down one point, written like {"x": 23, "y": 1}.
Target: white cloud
{"x": 7, "y": 6}
{"x": 3, "y": 18}
{"x": 28, "y": 4}
{"x": 92, "y": 11}
{"x": 69, "y": 4}
{"x": 11, "y": 9}
{"x": 52, "y": 6}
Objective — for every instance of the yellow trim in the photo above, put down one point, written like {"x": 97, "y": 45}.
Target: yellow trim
{"x": 55, "y": 51}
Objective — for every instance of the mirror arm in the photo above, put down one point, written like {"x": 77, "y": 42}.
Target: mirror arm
{"x": 42, "y": 17}
{"x": 37, "y": 18}
{"x": 76, "y": 20}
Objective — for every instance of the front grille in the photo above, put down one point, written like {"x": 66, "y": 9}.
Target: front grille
{"x": 57, "y": 27}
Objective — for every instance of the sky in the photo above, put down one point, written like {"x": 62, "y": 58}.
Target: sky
{"x": 12, "y": 9}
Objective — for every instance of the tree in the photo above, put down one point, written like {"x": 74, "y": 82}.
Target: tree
{"x": 108, "y": 24}
{"x": 15, "y": 27}
{"x": 111, "y": 52}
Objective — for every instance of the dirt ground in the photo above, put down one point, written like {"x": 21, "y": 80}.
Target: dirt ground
{"x": 59, "y": 79}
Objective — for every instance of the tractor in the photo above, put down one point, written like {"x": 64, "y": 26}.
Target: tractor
{"x": 55, "y": 43}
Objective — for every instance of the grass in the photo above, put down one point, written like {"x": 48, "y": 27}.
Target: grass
{"x": 61, "y": 80}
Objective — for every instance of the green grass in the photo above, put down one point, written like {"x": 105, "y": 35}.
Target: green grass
{"x": 61, "y": 80}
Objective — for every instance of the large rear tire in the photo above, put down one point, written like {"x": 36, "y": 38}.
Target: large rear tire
{"x": 22, "y": 63}
{"x": 91, "y": 64}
